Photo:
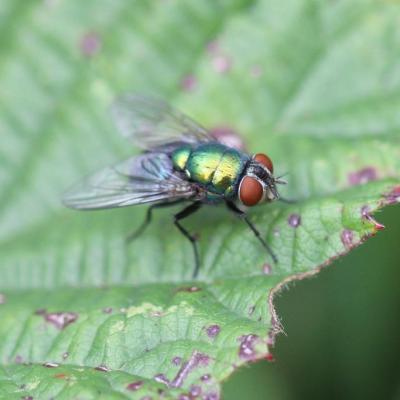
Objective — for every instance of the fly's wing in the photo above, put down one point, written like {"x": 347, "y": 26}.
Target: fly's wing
{"x": 151, "y": 123}
{"x": 148, "y": 178}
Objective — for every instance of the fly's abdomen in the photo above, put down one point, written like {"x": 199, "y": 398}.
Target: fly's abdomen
{"x": 180, "y": 157}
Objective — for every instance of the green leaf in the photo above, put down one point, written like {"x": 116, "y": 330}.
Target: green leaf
{"x": 314, "y": 84}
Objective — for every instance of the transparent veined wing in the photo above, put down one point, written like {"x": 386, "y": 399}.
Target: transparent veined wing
{"x": 151, "y": 122}
{"x": 147, "y": 178}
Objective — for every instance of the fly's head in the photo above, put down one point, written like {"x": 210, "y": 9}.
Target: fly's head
{"x": 258, "y": 184}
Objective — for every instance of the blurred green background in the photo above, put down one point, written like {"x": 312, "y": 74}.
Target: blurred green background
{"x": 342, "y": 330}
{"x": 63, "y": 61}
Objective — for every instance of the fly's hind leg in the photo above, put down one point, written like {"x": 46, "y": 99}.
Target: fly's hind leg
{"x": 149, "y": 213}
{"x": 242, "y": 215}
{"x": 189, "y": 210}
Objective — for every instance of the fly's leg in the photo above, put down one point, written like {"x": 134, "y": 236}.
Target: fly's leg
{"x": 242, "y": 215}
{"x": 149, "y": 213}
{"x": 192, "y": 208}
{"x": 287, "y": 201}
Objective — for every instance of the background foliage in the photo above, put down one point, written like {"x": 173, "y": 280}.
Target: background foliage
{"x": 313, "y": 83}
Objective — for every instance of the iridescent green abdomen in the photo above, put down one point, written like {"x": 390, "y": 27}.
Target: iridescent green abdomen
{"x": 213, "y": 165}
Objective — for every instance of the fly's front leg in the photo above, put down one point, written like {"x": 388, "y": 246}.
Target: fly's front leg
{"x": 147, "y": 219}
{"x": 257, "y": 234}
{"x": 192, "y": 208}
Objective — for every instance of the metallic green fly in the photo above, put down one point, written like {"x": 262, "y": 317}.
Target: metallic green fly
{"x": 182, "y": 162}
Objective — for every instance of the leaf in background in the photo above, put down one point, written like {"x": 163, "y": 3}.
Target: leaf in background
{"x": 314, "y": 84}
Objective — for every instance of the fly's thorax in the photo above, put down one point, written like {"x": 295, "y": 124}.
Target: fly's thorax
{"x": 216, "y": 167}
{"x": 228, "y": 172}
{"x": 203, "y": 161}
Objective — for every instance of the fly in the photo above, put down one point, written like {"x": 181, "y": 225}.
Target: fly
{"x": 181, "y": 162}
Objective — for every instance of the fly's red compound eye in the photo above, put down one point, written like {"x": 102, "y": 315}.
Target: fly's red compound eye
{"x": 250, "y": 191}
{"x": 263, "y": 159}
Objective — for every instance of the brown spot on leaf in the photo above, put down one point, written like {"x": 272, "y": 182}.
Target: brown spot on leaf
{"x": 393, "y": 196}
{"x": 90, "y": 44}
{"x": 229, "y": 137}
{"x": 213, "y": 331}
{"x": 133, "y": 386}
{"x": 347, "y": 238}
{"x": 195, "y": 391}
{"x": 211, "y": 396}
{"x": 362, "y": 176}
{"x": 189, "y": 83}
{"x": 196, "y": 360}
{"x": 59, "y": 319}
{"x": 18, "y": 359}
{"x": 177, "y": 360}
{"x": 267, "y": 269}
{"x": 60, "y": 376}
{"x": 246, "y": 348}
{"x": 190, "y": 289}
{"x": 161, "y": 378}
{"x": 294, "y": 220}
{"x": 220, "y": 61}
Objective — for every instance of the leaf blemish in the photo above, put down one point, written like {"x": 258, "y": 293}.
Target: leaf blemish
{"x": 50, "y": 365}
{"x": 59, "y": 319}
{"x": 90, "y": 44}
{"x": 365, "y": 214}
{"x": 347, "y": 238}
{"x": 246, "y": 348}
{"x": 228, "y": 136}
{"x": 393, "y": 196}
{"x": 213, "y": 331}
{"x": 102, "y": 368}
{"x": 189, "y": 289}
{"x": 294, "y": 220}
{"x": 161, "y": 378}
{"x": 195, "y": 391}
{"x": 60, "y": 376}
{"x": 177, "y": 360}
{"x": 269, "y": 357}
{"x": 18, "y": 359}
{"x": 220, "y": 61}
{"x": 267, "y": 269}
{"x": 251, "y": 310}
{"x": 189, "y": 83}
{"x": 211, "y": 396}
{"x": 107, "y": 310}
{"x": 197, "y": 359}
{"x": 2, "y": 298}
{"x": 362, "y": 176}
{"x": 133, "y": 386}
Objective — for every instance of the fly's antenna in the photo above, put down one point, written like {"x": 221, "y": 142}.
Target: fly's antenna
{"x": 279, "y": 179}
